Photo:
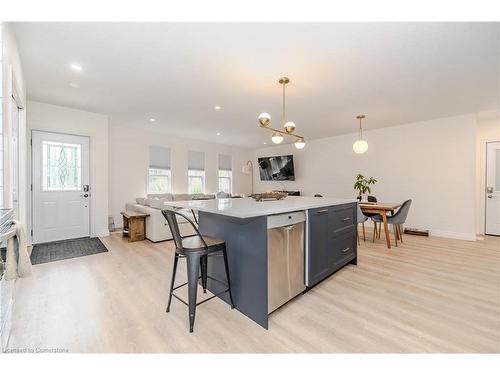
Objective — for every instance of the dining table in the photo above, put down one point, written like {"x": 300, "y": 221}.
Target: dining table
{"x": 381, "y": 209}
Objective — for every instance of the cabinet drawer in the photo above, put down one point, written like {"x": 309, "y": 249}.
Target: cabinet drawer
{"x": 322, "y": 211}
{"x": 342, "y": 216}
{"x": 343, "y": 248}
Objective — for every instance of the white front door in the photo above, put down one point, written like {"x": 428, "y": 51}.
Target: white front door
{"x": 492, "y": 188}
{"x": 61, "y": 197}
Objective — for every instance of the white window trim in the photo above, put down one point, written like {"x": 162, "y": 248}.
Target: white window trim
{"x": 169, "y": 189}
{"x": 203, "y": 180}
{"x": 227, "y": 178}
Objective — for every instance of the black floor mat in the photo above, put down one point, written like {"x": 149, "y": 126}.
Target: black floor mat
{"x": 59, "y": 250}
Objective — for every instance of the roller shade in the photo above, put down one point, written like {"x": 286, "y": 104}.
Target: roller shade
{"x": 225, "y": 162}
{"x": 159, "y": 157}
{"x": 196, "y": 160}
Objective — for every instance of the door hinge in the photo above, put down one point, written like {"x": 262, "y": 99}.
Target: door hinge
{"x": 31, "y": 187}
{"x": 32, "y": 233}
{"x": 31, "y": 142}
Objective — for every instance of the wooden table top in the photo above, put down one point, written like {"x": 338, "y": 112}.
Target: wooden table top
{"x": 379, "y": 206}
{"x": 128, "y": 214}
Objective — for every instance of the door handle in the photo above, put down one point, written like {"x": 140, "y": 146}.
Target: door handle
{"x": 84, "y": 195}
{"x": 489, "y": 190}
{"x": 490, "y": 196}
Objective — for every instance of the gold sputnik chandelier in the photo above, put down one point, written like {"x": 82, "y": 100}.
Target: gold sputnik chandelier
{"x": 288, "y": 126}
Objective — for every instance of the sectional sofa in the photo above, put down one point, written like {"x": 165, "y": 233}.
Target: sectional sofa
{"x": 157, "y": 228}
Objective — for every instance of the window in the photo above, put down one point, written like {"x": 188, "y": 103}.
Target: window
{"x": 159, "y": 173}
{"x": 196, "y": 172}
{"x": 225, "y": 181}
{"x": 225, "y": 174}
{"x": 159, "y": 181}
{"x": 196, "y": 181}
{"x": 62, "y": 166}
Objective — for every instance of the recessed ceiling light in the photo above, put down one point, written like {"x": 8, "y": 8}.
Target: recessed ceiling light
{"x": 217, "y": 107}
{"x": 74, "y": 85}
{"x": 75, "y": 67}
{"x": 265, "y": 143}
{"x": 152, "y": 119}
{"x": 217, "y": 134}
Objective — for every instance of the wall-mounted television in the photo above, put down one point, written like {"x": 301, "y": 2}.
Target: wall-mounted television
{"x": 276, "y": 168}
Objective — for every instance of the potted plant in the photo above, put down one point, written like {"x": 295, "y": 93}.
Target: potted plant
{"x": 362, "y": 185}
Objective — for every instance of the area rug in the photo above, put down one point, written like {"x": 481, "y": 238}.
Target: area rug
{"x": 59, "y": 250}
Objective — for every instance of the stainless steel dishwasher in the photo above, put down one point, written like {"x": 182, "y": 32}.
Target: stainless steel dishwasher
{"x": 285, "y": 257}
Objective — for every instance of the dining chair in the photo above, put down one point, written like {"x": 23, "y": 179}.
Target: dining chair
{"x": 376, "y": 230}
{"x": 397, "y": 220}
{"x": 361, "y": 219}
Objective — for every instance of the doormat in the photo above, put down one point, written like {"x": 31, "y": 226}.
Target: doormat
{"x": 67, "y": 249}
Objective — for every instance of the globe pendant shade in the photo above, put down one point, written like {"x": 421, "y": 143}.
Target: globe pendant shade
{"x": 300, "y": 144}
{"x": 360, "y": 146}
{"x": 264, "y": 119}
{"x": 289, "y": 127}
{"x": 277, "y": 138}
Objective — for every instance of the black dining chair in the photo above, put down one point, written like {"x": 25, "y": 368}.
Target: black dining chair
{"x": 361, "y": 218}
{"x": 376, "y": 229}
{"x": 196, "y": 249}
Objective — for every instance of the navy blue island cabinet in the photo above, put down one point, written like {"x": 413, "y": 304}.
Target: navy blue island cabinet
{"x": 332, "y": 241}
{"x": 329, "y": 241}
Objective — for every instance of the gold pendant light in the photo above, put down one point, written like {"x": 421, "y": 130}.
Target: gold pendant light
{"x": 360, "y": 146}
{"x": 288, "y": 126}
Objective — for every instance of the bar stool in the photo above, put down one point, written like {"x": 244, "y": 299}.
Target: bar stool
{"x": 196, "y": 249}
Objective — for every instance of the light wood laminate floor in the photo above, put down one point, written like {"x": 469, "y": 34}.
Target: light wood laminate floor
{"x": 428, "y": 295}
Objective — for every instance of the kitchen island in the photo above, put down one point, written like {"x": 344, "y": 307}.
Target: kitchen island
{"x": 305, "y": 238}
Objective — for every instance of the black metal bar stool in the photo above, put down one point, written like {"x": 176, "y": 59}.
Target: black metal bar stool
{"x": 196, "y": 249}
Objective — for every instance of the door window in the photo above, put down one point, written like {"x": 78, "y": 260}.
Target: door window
{"x": 62, "y": 166}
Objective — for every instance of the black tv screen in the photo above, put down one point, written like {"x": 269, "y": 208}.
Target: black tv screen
{"x": 276, "y": 168}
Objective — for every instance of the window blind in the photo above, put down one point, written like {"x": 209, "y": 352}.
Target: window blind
{"x": 159, "y": 157}
{"x": 196, "y": 160}
{"x": 225, "y": 162}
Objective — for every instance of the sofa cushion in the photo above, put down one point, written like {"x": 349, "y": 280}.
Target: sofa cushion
{"x": 159, "y": 203}
{"x": 183, "y": 197}
{"x": 203, "y": 196}
{"x": 149, "y": 201}
{"x": 141, "y": 201}
{"x": 161, "y": 196}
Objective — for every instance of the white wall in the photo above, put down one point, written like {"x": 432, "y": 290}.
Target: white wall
{"x": 13, "y": 84}
{"x": 47, "y": 117}
{"x": 129, "y": 160}
{"x": 431, "y": 162}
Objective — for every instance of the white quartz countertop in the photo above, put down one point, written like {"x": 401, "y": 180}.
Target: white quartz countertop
{"x": 248, "y": 207}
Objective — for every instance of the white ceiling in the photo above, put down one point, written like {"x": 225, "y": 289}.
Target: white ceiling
{"x": 394, "y": 72}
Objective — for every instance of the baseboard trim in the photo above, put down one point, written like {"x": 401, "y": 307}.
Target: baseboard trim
{"x": 442, "y": 233}
{"x": 454, "y": 235}
{"x": 102, "y": 233}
